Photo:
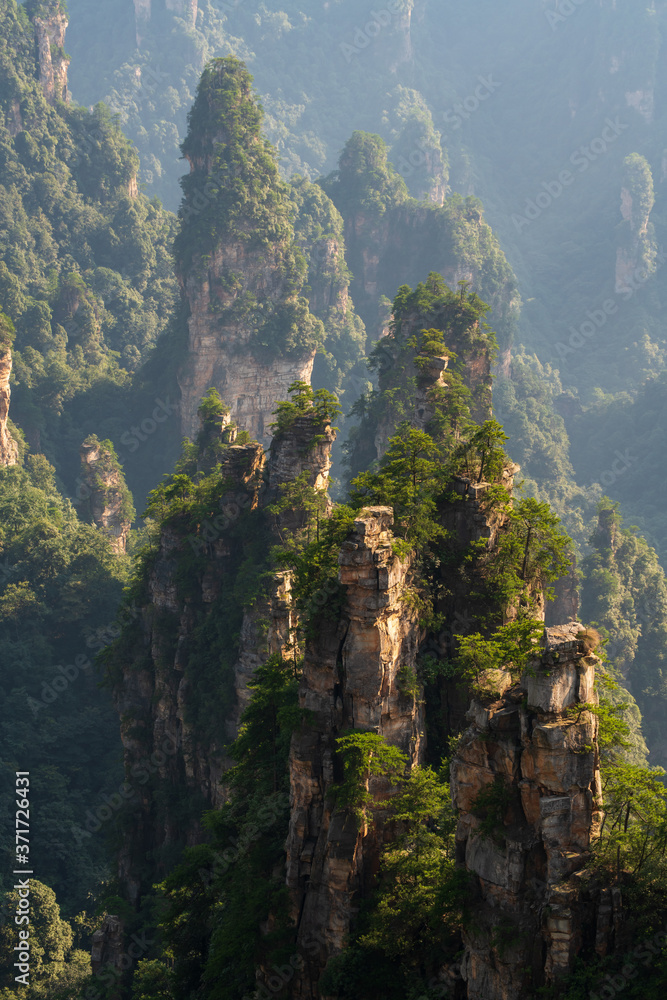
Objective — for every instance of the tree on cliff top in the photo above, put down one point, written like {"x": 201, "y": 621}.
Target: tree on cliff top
{"x": 234, "y": 187}
{"x": 365, "y": 179}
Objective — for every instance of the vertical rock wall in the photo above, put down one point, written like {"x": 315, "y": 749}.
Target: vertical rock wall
{"x": 155, "y": 692}
{"x": 8, "y": 448}
{"x": 531, "y": 753}
{"x": 53, "y": 63}
{"x": 106, "y": 493}
{"x": 352, "y": 679}
{"x": 220, "y": 352}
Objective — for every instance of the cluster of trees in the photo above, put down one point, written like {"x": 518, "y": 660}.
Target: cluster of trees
{"x": 86, "y": 274}
{"x": 60, "y": 586}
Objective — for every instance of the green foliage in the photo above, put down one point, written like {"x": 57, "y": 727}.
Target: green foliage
{"x": 431, "y": 325}
{"x": 625, "y": 593}
{"x": 490, "y": 806}
{"x": 7, "y": 333}
{"x": 511, "y": 647}
{"x": 212, "y": 409}
{"x": 525, "y": 403}
{"x": 152, "y": 981}
{"x": 318, "y": 231}
{"x": 365, "y": 178}
{"x": 321, "y": 405}
{"x": 225, "y": 889}
{"x": 364, "y": 756}
{"x": 410, "y": 924}
{"x": 59, "y": 581}
{"x": 57, "y": 968}
{"x": 86, "y": 276}
{"x": 107, "y": 481}
{"x": 305, "y": 507}
{"x": 532, "y": 552}
{"x": 410, "y": 480}
{"x": 245, "y": 201}
{"x": 639, "y": 180}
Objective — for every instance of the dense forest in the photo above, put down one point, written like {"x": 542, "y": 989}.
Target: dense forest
{"x": 333, "y": 612}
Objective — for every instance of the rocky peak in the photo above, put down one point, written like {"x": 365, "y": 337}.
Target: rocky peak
{"x": 305, "y": 447}
{"x": 300, "y": 451}
{"x": 635, "y": 256}
{"x": 251, "y": 333}
{"x": 525, "y": 779}
{"x": 53, "y": 61}
{"x": 186, "y": 8}
{"x": 9, "y": 451}
{"x": 106, "y": 498}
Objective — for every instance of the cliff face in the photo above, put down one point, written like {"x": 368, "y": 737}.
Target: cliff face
{"x": 105, "y": 493}
{"x": 155, "y": 688}
{"x": 353, "y": 677}
{"x": 53, "y": 63}
{"x": 8, "y": 448}
{"x": 175, "y": 654}
{"x": 526, "y": 782}
{"x": 242, "y": 273}
{"x": 220, "y": 350}
{"x": 635, "y": 258}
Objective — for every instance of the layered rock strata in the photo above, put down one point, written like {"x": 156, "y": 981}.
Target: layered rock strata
{"x": 9, "y": 451}
{"x": 250, "y": 331}
{"x": 220, "y": 351}
{"x": 353, "y": 678}
{"x": 526, "y": 782}
{"x": 269, "y": 626}
{"x": 53, "y": 61}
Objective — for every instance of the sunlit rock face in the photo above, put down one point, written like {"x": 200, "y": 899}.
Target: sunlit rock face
{"x": 531, "y": 756}
{"x": 8, "y": 447}
{"x": 352, "y": 678}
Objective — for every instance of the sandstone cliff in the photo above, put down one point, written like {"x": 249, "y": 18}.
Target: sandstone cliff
{"x": 354, "y": 677}
{"x": 104, "y": 495}
{"x": 526, "y": 782}
{"x": 191, "y": 644}
{"x": 250, "y": 330}
{"x": 635, "y": 257}
{"x": 53, "y": 61}
{"x": 8, "y": 447}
